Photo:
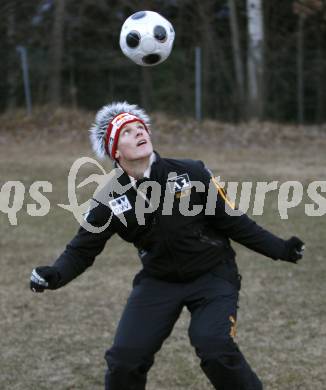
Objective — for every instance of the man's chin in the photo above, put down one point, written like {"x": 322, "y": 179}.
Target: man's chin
{"x": 138, "y": 155}
{"x": 142, "y": 154}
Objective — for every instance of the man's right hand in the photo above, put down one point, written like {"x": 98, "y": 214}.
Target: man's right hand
{"x": 43, "y": 278}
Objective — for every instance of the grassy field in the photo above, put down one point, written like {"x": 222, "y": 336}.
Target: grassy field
{"x": 58, "y": 339}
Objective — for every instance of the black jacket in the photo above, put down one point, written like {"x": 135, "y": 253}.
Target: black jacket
{"x": 172, "y": 246}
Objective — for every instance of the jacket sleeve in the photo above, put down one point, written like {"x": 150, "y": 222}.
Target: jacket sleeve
{"x": 237, "y": 225}
{"x": 82, "y": 250}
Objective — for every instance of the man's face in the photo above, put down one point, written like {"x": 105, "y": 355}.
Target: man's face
{"x": 134, "y": 143}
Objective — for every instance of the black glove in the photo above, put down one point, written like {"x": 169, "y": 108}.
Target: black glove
{"x": 43, "y": 278}
{"x": 294, "y": 249}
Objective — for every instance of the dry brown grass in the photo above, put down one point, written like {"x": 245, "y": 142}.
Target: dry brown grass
{"x": 57, "y": 339}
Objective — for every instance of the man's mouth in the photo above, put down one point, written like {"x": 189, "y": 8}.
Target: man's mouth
{"x": 141, "y": 142}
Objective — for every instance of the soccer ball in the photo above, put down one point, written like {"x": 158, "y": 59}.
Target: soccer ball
{"x": 147, "y": 38}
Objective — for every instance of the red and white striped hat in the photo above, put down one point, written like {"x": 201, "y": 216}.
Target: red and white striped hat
{"x": 108, "y": 124}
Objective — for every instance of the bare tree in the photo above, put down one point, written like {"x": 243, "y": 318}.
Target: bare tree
{"x": 237, "y": 57}
{"x": 146, "y": 87}
{"x": 300, "y": 68}
{"x": 305, "y": 9}
{"x": 56, "y": 53}
{"x": 12, "y": 74}
{"x": 213, "y": 56}
{"x": 308, "y": 7}
{"x": 320, "y": 76}
{"x": 255, "y": 58}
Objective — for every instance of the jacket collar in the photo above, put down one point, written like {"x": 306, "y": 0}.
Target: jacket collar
{"x": 125, "y": 179}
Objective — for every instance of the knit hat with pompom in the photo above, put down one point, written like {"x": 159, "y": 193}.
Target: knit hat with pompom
{"x": 109, "y": 121}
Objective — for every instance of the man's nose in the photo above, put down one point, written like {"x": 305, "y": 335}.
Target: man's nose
{"x": 139, "y": 132}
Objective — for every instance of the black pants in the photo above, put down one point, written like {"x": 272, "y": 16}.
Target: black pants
{"x": 153, "y": 308}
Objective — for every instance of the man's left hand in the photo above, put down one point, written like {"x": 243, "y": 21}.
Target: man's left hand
{"x": 294, "y": 249}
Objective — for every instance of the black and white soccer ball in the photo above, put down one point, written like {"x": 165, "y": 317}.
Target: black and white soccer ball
{"x": 147, "y": 38}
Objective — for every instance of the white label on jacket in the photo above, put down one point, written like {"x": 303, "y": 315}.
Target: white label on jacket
{"x": 179, "y": 183}
{"x": 120, "y": 205}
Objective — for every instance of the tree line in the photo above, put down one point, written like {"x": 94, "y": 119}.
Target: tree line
{"x": 260, "y": 58}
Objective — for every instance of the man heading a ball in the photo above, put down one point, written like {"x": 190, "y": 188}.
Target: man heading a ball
{"x": 184, "y": 247}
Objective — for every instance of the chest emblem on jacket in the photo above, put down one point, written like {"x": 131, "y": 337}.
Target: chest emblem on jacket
{"x": 179, "y": 183}
{"x": 120, "y": 205}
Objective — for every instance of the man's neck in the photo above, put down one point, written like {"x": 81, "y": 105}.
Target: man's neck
{"x": 137, "y": 168}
